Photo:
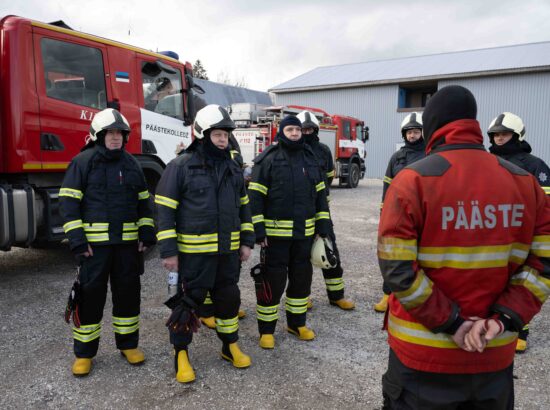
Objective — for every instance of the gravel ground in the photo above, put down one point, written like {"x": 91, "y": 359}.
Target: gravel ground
{"x": 341, "y": 368}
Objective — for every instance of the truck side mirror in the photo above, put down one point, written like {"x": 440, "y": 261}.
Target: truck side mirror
{"x": 365, "y": 136}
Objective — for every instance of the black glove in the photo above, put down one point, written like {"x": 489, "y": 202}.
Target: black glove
{"x": 183, "y": 318}
{"x": 72, "y": 308}
{"x": 258, "y": 273}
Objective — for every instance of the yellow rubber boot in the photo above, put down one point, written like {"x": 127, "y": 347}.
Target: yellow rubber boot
{"x": 133, "y": 356}
{"x": 302, "y": 332}
{"x": 521, "y": 346}
{"x": 344, "y": 304}
{"x": 82, "y": 367}
{"x": 233, "y": 354}
{"x": 184, "y": 371}
{"x": 309, "y": 304}
{"x": 209, "y": 322}
{"x": 267, "y": 341}
{"x": 382, "y": 306}
{"x": 241, "y": 314}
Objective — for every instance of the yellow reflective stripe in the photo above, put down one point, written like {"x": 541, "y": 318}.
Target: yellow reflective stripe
{"x": 397, "y": 249}
{"x": 169, "y": 233}
{"x": 235, "y": 235}
{"x": 208, "y": 299}
{"x": 322, "y": 215}
{"x": 197, "y": 248}
{"x": 255, "y": 186}
{"x": 278, "y": 232}
{"x": 71, "y": 193}
{"x": 96, "y": 227}
{"x": 546, "y": 190}
{"x": 129, "y": 236}
{"x": 125, "y": 320}
{"x": 415, "y": 333}
{"x": 310, "y": 222}
{"x": 418, "y": 292}
{"x": 472, "y": 257}
{"x": 330, "y": 174}
{"x": 247, "y": 226}
{"x": 163, "y": 200}
{"x": 334, "y": 284}
{"x": 234, "y": 153}
{"x": 125, "y": 330}
{"x": 197, "y": 239}
{"x": 129, "y": 226}
{"x": 387, "y": 180}
{"x": 320, "y": 186}
{"x": 69, "y": 226}
{"x": 309, "y": 231}
{"x": 257, "y": 219}
{"x": 296, "y": 306}
{"x": 144, "y": 195}
{"x": 146, "y": 222}
{"x": 267, "y": 313}
{"x": 235, "y": 245}
{"x": 87, "y": 333}
{"x": 536, "y": 284}
{"x": 227, "y": 325}
{"x": 278, "y": 223}
{"x": 541, "y": 246}
{"x": 245, "y": 200}
{"x": 97, "y": 237}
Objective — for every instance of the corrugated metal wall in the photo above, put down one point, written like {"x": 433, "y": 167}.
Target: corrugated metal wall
{"x": 527, "y": 95}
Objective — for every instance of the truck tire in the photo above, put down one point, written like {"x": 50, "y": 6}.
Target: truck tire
{"x": 354, "y": 176}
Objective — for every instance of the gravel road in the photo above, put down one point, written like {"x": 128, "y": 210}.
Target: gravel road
{"x": 341, "y": 368}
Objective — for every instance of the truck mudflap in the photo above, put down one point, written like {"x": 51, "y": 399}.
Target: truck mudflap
{"x": 17, "y": 216}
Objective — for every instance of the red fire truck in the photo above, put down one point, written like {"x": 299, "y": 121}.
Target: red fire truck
{"x": 344, "y": 135}
{"x": 52, "y": 82}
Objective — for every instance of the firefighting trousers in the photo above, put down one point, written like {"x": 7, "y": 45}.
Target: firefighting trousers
{"x": 122, "y": 265}
{"x": 408, "y": 389}
{"x": 334, "y": 280}
{"x": 217, "y": 275}
{"x": 286, "y": 259}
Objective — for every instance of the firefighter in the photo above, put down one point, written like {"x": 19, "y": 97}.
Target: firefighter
{"x": 507, "y": 136}
{"x": 467, "y": 261}
{"x": 334, "y": 281}
{"x": 205, "y": 230}
{"x": 107, "y": 211}
{"x": 289, "y": 206}
{"x": 412, "y": 151}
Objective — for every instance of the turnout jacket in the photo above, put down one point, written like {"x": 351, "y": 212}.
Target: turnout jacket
{"x": 202, "y": 208}
{"x": 452, "y": 244}
{"x": 325, "y": 161}
{"x": 532, "y": 164}
{"x": 288, "y": 194}
{"x": 406, "y": 155}
{"x": 104, "y": 200}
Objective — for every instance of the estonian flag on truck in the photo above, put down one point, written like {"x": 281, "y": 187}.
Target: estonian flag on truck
{"x": 122, "y": 76}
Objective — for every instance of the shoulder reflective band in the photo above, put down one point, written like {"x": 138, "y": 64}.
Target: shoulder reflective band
{"x": 165, "y": 201}
{"x": 71, "y": 193}
{"x": 255, "y": 186}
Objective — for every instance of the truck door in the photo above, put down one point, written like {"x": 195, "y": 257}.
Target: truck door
{"x": 160, "y": 89}
{"x": 70, "y": 77}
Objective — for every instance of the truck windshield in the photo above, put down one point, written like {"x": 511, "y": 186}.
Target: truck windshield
{"x": 74, "y": 73}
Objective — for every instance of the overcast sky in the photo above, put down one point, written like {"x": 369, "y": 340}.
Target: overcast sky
{"x": 268, "y": 43}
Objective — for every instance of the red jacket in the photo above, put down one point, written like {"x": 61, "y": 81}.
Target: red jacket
{"x": 462, "y": 232}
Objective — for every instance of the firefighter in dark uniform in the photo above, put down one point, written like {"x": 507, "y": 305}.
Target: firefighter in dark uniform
{"x": 206, "y": 311}
{"x": 333, "y": 276}
{"x": 412, "y": 151}
{"x": 107, "y": 212}
{"x": 204, "y": 231}
{"x": 289, "y": 206}
{"x": 507, "y": 136}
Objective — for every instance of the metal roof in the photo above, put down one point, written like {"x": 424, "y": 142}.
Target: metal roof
{"x": 481, "y": 62}
{"x": 225, "y": 95}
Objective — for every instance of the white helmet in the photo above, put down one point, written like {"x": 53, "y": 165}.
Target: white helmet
{"x": 507, "y": 122}
{"x": 212, "y": 117}
{"x": 322, "y": 254}
{"x": 308, "y": 120}
{"x": 109, "y": 119}
{"x": 413, "y": 121}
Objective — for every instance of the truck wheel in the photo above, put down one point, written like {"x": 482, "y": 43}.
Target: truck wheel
{"x": 354, "y": 175}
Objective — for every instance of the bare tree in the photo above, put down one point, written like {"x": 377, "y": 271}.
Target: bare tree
{"x": 224, "y": 78}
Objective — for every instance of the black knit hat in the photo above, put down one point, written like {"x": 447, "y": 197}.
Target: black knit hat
{"x": 289, "y": 120}
{"x": 449, "y": 104}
